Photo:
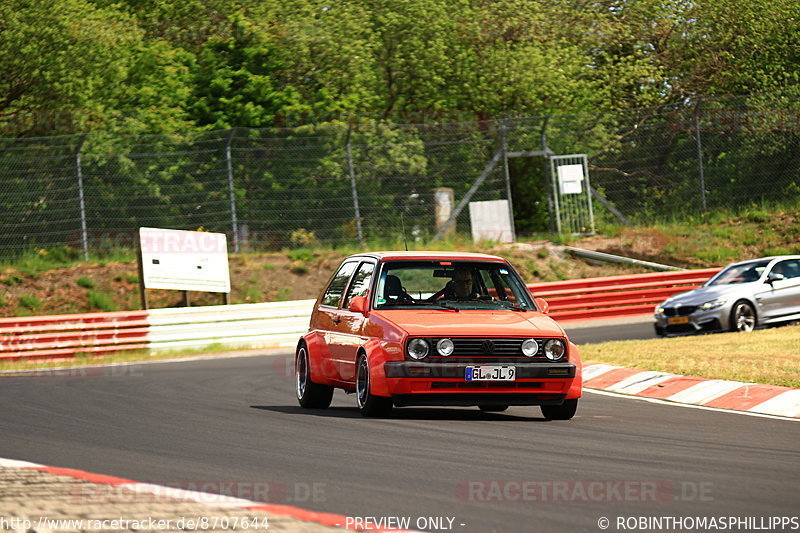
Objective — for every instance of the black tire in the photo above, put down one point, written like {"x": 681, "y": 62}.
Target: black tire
{"x": 660, "y": 331}
{"x": 743, "y": 316}
{"x": 309, "y": 394}
{"x": 369, "y": 404}
{"x": 492, "y": 408}
{"x": 565, "y": 411}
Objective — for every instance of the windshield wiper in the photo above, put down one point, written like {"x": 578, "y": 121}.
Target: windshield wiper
{"x": 439, "y": 304}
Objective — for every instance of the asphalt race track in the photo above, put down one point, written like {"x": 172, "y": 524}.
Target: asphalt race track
{"x": 234, "y": 422}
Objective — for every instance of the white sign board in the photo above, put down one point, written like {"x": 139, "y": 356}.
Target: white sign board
{"x": 184, "y": 260}
{"x": 570, "y": 178}
{"x": 490, "y": 221}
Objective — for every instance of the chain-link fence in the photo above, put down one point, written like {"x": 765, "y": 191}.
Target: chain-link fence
{"x": 270, "y": 188}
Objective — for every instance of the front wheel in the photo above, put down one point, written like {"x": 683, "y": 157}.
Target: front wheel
{"x": 743, "y": 317}
{"x": 369, "y": 404}
{"x": 309, "y": 394}
{"x": 565, "y": 411}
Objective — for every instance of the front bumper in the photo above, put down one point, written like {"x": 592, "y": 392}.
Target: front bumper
{"x": 418, "y": 383}
{"x": 696, "y": 322}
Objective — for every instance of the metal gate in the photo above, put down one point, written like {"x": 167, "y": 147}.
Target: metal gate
{"x": 572, "y": 196}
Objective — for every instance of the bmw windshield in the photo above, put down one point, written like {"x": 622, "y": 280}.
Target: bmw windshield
{"x": 740, "y": 273}
{"x": 453, "y": 285}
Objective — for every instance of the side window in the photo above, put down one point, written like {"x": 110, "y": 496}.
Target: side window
{"x": 333, "y": 294}
{"x": 361, "y": 282}
{"x": 790, "y": 268}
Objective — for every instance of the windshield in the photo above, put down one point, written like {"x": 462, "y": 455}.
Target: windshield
{"x": 452, "y": 285}
{"x": 744, "y": 273}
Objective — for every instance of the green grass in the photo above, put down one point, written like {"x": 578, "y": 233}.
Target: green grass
{"x": 30, "y": 302}
{"x": 300, "y": 254}
{"x": 85, "y": 282}
{"x": 13, "y": 279}
{"x": 102, "y": 301}
{"x": 770, "y": 356}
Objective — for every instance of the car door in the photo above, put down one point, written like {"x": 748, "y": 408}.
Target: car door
{"x": 350, "y": 327}
{"x": 781, "y": 297}
{"x": 327, "y": 318}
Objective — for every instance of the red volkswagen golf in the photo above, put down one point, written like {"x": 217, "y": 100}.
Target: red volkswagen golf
{"x": 435, "y": 328}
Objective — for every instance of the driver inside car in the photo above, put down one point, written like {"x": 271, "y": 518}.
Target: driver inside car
{"x": 458, "y": 288}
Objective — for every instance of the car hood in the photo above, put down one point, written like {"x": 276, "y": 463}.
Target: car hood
{"x": 706, "y": 294}
{"x": 434, "y": 322}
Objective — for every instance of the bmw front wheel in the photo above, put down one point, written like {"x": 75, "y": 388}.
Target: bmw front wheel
{"x": 743, "y": 316}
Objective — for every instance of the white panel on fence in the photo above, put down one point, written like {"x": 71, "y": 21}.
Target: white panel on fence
{"x": 490, "y": 220}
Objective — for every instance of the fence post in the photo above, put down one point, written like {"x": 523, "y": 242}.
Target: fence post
{"x": 546, "y": 170}
{"x": 81, "y": 202}
{"x": 700, "y": 155}
{"x": 229, "y": 163}
{"x": 353, "y": 186}
{"x": 506, "y": 174}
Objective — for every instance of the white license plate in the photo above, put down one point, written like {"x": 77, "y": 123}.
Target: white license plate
{"x": 490, "y": 373}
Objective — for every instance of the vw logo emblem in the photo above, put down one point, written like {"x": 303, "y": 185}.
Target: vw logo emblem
{"x": 487, "y": 346}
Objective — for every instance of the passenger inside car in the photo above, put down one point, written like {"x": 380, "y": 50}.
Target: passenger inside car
{"x": 393, "y": 290}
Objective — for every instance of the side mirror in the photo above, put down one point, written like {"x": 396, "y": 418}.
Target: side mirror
{"x": 358, "y": 304}
{"x": 542, "y": 304}
{"x": 772, "y": 278}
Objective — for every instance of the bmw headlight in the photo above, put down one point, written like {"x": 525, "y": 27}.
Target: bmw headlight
{"x": 554, "y": 349}
{"x": 418, "y": 349}
{"x": 445, "y": 347}
{"x": 529, "y": 347}
{"x": 660, "y": 310}
{"x": 713, "y": 304}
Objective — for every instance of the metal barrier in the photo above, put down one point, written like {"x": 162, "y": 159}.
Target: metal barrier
{"x": 280, "y": 324}
{"x": 266, "y": 325}
{"x": 614, "y": 296}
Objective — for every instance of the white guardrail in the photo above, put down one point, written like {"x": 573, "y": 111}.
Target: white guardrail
{"x": 265, "y": 325}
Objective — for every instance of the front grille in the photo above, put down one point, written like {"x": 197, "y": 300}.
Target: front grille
{"x": 684, "y": 310}
{"x": 486, "y": 350}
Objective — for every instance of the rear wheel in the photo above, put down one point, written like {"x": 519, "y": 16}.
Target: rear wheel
{"x": 369, "y": 404}
{"x": 743, "y": 316}
{"x": 565, "y": 411}
{"x": 309, "y": 394}
{"x": 492, "y": 408}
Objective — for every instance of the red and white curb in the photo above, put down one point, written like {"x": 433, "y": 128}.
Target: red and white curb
{"x": 216, "y": 500}
{"x": 713, "y": 393}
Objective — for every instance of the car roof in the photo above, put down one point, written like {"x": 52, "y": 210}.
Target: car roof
{"x": 428, "y": 255}
{"x": 768, "y": 259}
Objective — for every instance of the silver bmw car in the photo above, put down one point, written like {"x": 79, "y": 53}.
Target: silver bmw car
{"x": 740, "y": 297}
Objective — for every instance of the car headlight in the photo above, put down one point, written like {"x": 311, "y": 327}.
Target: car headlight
{"x": 554, "y": 349}
{"x": 445, "y": 347}
{"x": 530, "y": 347}
{"x": 713, "y": 304}
{"x": 418, "y": 349}
{"x": 660, "y": 310}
